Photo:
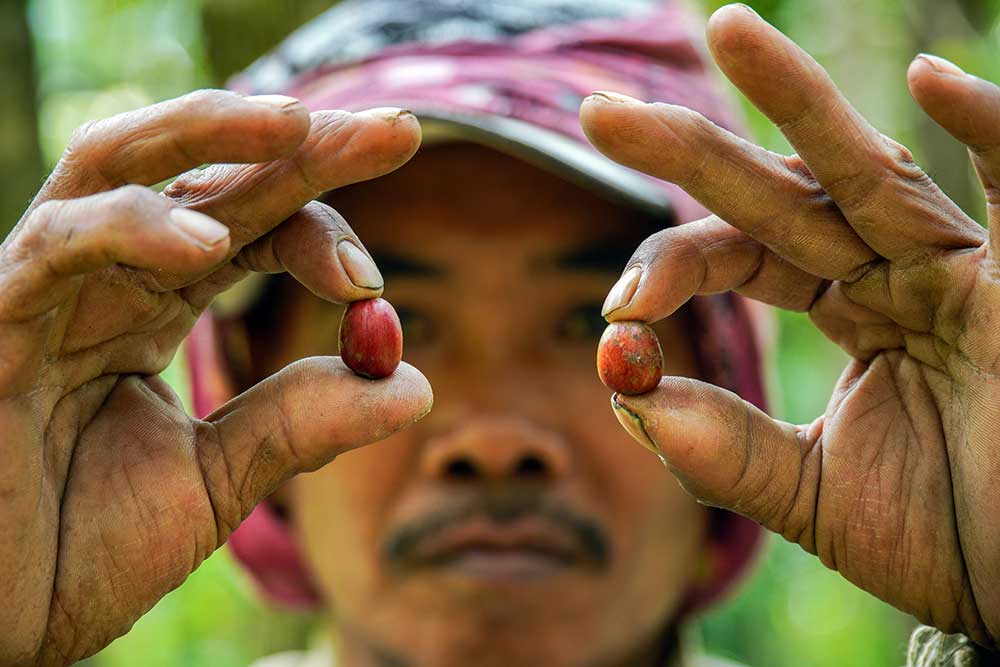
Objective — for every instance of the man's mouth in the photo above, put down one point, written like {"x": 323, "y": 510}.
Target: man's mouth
{"x": 513, "y": 535}
{"x": 523, "y": 550}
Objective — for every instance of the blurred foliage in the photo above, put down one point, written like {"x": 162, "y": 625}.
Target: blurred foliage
{"x": 21, "y": 166}
{"x": 95, "y": 58}
{"x": 232, "y": 29}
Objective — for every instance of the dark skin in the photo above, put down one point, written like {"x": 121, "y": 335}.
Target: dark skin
{"x": 111, "y": 493}
{"x": 894, "y": 486}
{"x": 502, "y": 312}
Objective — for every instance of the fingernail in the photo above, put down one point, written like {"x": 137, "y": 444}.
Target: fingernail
{"x": 391, "y": 114}
{"x": 632, "y": 423}
{"x": 616, "y": 98}
{"x": 361, "y": 270}
{"x": 748, "y": 8}
{"x": 199, "y": 226}
{"x": 623, "y": 291}
{"x": 402, "y": 114}
{"x": 941, "y": 65}
{"x": 280, "y": 102}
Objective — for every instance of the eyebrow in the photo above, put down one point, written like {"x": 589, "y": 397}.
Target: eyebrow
{"x": 608, "y": 256}
{"x": 605, "y": 256}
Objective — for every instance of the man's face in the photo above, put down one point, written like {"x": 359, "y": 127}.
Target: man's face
{"x": 517, "y": 524}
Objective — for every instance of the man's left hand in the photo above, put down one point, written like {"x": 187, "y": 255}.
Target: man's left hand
{"x": 896, "y": 484}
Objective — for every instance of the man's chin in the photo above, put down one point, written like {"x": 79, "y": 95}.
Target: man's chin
{"x": 519, "y": 593}
{"x": 495, "y": 630}
{"x": 512, "y": 611}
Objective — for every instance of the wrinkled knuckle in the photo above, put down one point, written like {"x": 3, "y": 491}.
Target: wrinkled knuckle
{"x": 809, "y": 200}
{"x": 82, "y": 140}
{"x": 331, "y": 125}
{"x": 799, "y": 182}
{"x": 896, "y": 162}
{"x": 38, "y": 233}
{"x": 197, "y": 184}
{"x": 797, "y": 527}
{"x": 896, "y": 152}
{"x": 45, "y": 216}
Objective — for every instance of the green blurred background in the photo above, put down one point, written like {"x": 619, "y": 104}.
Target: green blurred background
{"x": 65, "y": 62}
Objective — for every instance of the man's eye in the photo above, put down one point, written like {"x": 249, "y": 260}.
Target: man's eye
{"x": 417, "y": 328}
{"x": 582, "y": 323}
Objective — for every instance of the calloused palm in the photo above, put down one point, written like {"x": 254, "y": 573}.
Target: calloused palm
{"x": 895, "y": 485}
{"x": 110, "y": 494}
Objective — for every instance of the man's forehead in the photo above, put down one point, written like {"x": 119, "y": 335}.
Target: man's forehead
{"x": 459, "y": 203}
{"x": 603, "y": 256}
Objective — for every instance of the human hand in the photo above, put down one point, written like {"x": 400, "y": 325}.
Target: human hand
{"x": 110, "y": 494}
{"x": 895, "y": 485}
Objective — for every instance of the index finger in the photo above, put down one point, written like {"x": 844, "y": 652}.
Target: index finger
{"x": 152, "y": 144}
{"x": 342, "y": 148}
{"x": 892, "y": 204}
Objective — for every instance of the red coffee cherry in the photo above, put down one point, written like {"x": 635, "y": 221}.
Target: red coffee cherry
{"x": 629, "y": 359}
{"x": 371, "y": 338}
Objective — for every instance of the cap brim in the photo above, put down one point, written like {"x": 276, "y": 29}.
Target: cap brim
{"x": 549, "y": 151}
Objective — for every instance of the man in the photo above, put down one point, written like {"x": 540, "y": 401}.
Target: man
{"x": 508, "y": 527}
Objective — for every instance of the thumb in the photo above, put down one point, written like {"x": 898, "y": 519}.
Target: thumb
{"x": 297, "y": 421}
{"x": 729, "y": 454}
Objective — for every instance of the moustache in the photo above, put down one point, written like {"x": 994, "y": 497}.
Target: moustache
{"x": 402, "y": 546}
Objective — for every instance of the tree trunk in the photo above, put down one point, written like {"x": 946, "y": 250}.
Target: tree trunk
{"x": 237, "y": 32}
{"x": 21, "y": 168}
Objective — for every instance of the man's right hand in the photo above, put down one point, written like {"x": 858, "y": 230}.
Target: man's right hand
{"x": 110, "y": 494}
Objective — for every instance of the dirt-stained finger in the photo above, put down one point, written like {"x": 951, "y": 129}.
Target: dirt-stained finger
{"x": 892, "y": 204}
{"x": 152, "y": 144}
{"x": 705, "y": 257}
{"x": 771, "y": 197}
{"x": 42, "y": 268}
{"x": 342, "y": 148}
{"x": 320, "y": 250}
{"x": 728, "y": 453}
{"x": 296, "y": 421}
{"x": 132, "y": 225}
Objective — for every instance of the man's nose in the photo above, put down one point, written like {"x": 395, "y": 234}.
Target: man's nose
{"x": 496, "y": 449}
